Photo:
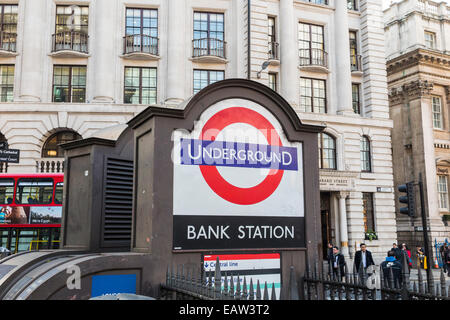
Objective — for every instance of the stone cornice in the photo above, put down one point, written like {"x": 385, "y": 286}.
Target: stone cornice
{"x": 418, "y": 56}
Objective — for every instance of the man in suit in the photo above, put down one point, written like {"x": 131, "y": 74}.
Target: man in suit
{"x": 363, "y": 257}
{"x": 338, "y": 263}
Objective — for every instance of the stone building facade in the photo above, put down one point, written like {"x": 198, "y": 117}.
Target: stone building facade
{"x": 80, "y": 66}
{"x": 418, "y": 68}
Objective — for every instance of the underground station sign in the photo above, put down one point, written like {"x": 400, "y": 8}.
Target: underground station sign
{"x": 238, "y": 181}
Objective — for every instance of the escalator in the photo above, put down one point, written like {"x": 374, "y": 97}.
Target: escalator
{"x": 51, "y": 274}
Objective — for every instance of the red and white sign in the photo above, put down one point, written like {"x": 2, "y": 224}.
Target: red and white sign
{"x": 264, "y": 267}
{"x": 245, "y": 165}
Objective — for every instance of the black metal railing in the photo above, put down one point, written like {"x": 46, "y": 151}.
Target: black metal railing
{"x": 8, "y": 41}
{"x": 140, "y": 43}
{"x": 273, "y": 51}
{"x": 208, "y": 47}
{"x": 356, "y": 62}
{"x": 216, "y": 285}
{"x": 70, "y": 40}
{"x": 315, "y": 284}
{"x": 360, "y": 285}
{"x": 313, "y": 57}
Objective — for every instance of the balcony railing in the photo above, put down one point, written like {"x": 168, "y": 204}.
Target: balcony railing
{"x": 273, "y": 51}
{"x": 208, "y": 47}
{"x": 3, "y": 167}
{"x": 70, "y": 40}
{"x": 140, "y": 43}
{"x": 50, "y": 165}
{"x": 356, "y": 62}
{"x": 8, "y": 41}
{"x": 313, "y": 57}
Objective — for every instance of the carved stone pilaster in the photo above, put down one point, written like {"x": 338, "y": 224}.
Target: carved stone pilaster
{"x": 396, "y": 96}
{"x": 447, "y": 92}
{"x": 417, "y": 89}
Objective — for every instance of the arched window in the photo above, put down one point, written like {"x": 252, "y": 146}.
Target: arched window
{"x": 327, "y": 152}
{"x": 51, "y": 148}
{"x": 365, "y": 155}
{"x": 2, "y": 140}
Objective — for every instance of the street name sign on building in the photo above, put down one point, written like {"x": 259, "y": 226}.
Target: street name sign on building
{"x": 238, "y": 181}
{"x": 10, "y": 155}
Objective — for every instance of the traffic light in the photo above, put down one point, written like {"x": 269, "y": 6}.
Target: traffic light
{"x": 408, "y": 198}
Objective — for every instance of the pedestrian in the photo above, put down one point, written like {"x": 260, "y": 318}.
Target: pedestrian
{"x": 363, "y": 257}
{"x": 405, "y": 251}
{"x": 446, "y": 261}
{"x": 397, "y": 251}
{"x": 338, "y": 264}
{"x": 391, "y": 264}
{"x": 443, "y": 252}
{"x": 420, "y": 257}
{"x": 330, "y": 255}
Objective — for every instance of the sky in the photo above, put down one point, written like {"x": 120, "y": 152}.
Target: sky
{"x": 387, "y": 2}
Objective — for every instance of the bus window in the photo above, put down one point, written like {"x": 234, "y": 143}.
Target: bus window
{"x": 6, "y": 191}
{"x": 34, "y": 191}
{"x": 59, "y": 193}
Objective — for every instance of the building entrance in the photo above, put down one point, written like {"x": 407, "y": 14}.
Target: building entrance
{"x": 325, "y": 221}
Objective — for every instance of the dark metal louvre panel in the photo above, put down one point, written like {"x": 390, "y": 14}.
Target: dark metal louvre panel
{"x": 118, "y": 201}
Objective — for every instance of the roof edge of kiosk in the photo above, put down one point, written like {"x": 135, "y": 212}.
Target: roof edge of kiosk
{"x": 185, "y": 107}
{"x": 87, "y": 142}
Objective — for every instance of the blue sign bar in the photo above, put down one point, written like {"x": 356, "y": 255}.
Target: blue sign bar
{"x": 238, "y": 154}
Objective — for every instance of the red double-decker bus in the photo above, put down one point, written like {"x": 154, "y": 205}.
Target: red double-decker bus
{"x": 30, "y": 211}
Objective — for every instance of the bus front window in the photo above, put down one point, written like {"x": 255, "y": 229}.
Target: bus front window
{"x": 6, "y": 191}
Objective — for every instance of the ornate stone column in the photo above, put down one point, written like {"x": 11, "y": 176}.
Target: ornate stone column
{"x": 342, "y": 196}
{"x": 175, "y": 52}
{"x": 32, "y": 55}
{"x": 342, "y": 54}
{"x": 104, "y": 50}
{"x": 289, "y": 87}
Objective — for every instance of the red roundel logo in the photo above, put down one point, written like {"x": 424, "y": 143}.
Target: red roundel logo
{"x": 227, "y": 191}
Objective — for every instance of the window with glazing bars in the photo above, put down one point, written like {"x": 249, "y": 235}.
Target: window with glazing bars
{"x": 317, "y": 1}
{"x": 140, "y": 85}
{"x": 311, "y": 44}
{"x": 209, "y": 34}
{"x": 437, "y": 112}
{"x": 443, "y": 192}
{"x": 69, "y": 83}
{"x": 368, "y": 212}
{"x": 6, "y": 83}
{"x": 141, "y": 30}
{"x": 8, "y": 27}
{"x": 72, "y": 18}
{"x": 365, "y": 155}
{"x": 352, "y": 4}
{"x": 327, "y": 152}
{"x": 273, "y": 45}
{"x": 356, "y": 100}
{"x": 313, "y": 95}
{"x": 71, "y": 28}
{"x": 203, "y": 78}
{"x": 430, "y": 39}
{"x": 354, "y": 59}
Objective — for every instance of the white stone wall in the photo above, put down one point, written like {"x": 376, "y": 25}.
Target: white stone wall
{"x": 406, "y": 21}
{"x": 29, "y": 120}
